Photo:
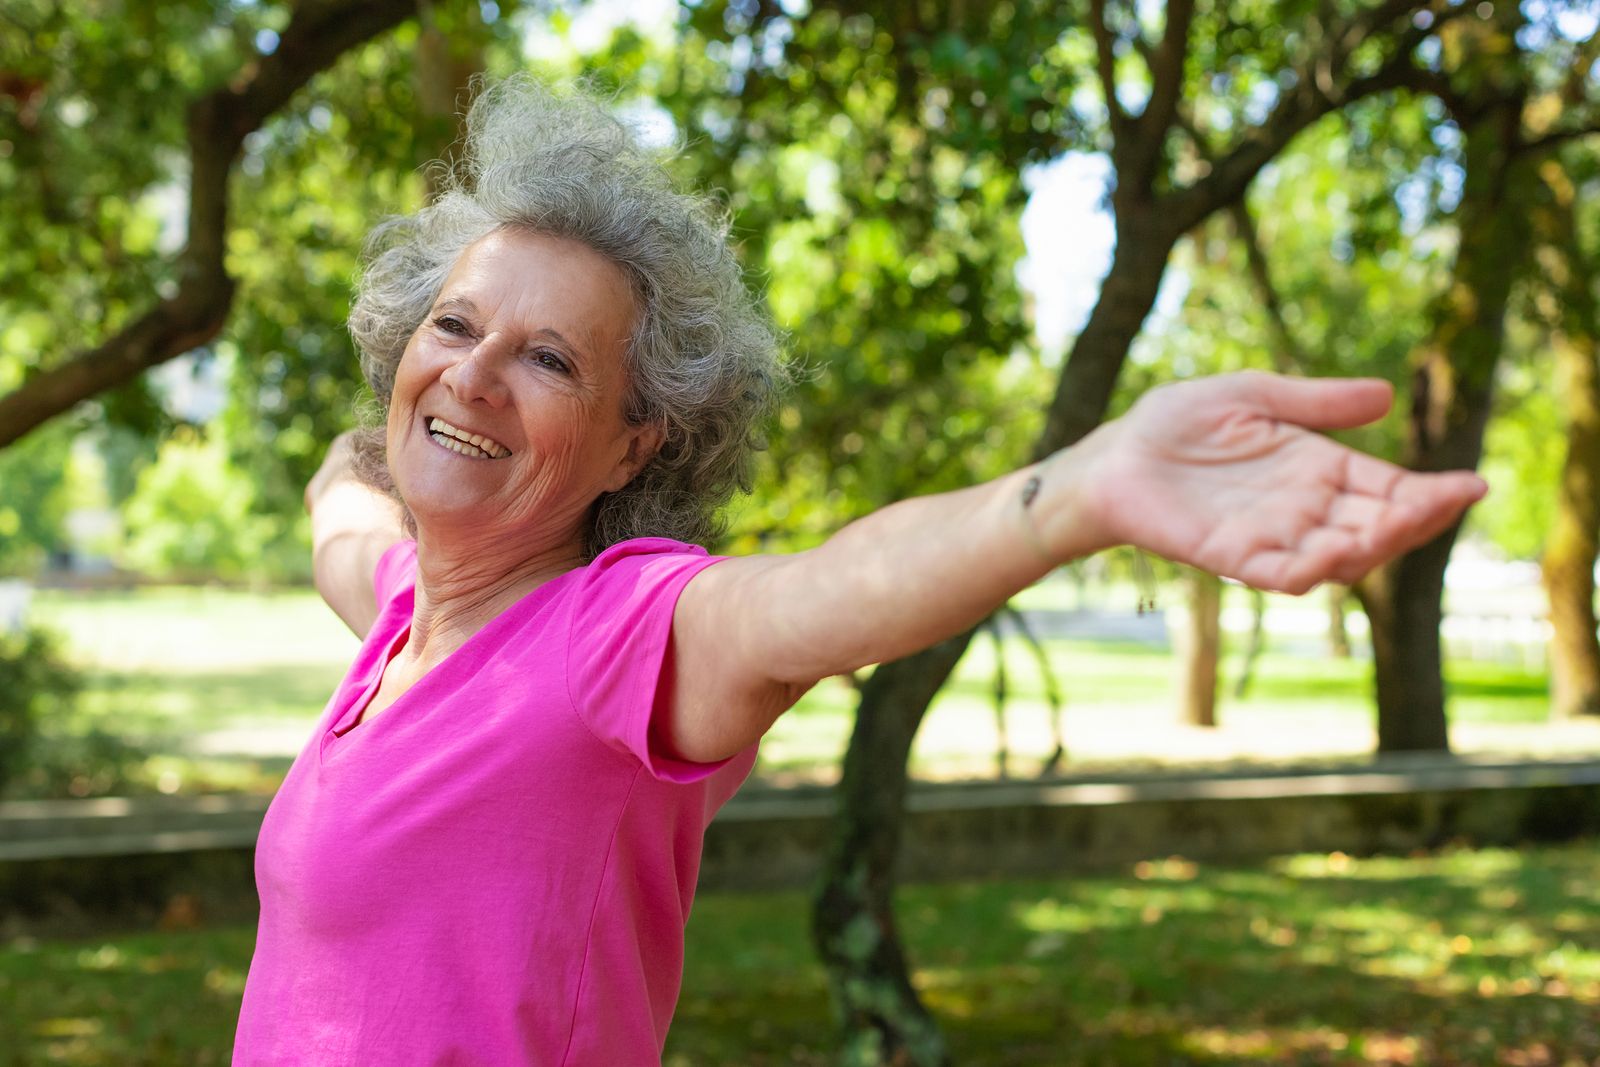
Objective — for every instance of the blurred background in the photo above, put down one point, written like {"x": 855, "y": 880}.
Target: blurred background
{"x": 984, "y": 228}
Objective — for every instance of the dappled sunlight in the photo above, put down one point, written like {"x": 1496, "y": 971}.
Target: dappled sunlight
{"x": 1460, "y": 959}
{"x": 951, "y": 991}
{"x": 70, "y": 1028}
{"x": 104, "y": 958}
{"x": 141, "y": 998}
{"x": 1275, "y": 1044}
{"x": 1472, "y": 867}
{"x": 1453, "y": 959}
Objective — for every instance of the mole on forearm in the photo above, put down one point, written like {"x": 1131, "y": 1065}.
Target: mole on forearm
{"x": 1030, "y": 489}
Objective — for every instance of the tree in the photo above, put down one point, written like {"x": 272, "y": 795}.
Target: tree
{"x": 1486, "y": 79}
{"x": 1327, "y": 65}
{"x": 1573, "y": 542}
{"x": 888, "y": 252}
{"x": 882, "y": 205}
{"x": 232, "y": 90}
{"x": 102, "y": 208}
{"x": 1318, "y": 273}
{"x": 1200, "y": 649}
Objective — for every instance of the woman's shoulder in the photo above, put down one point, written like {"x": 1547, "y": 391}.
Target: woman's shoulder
{"x": 633, "y": 571}
{"x": 636, "y": 548}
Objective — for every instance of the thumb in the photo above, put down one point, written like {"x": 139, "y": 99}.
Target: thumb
{"x": 1321, "y": 403}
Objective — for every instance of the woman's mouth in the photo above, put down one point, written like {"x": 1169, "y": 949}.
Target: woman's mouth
{"x": 465, "y": 442}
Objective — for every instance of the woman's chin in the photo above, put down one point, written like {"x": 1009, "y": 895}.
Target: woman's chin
{"x": 443, "y": 501}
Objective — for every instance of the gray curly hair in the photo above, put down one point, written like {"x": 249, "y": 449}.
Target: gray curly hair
{"x": 703, "y": 360}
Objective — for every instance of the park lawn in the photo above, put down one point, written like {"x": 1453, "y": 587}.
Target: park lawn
{"x": 222, "y": 686}
{"x": 197, "y": 658}
{"x": 1460, "y": 959}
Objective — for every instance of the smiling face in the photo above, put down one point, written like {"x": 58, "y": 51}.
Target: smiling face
{"x": 506, "y": 422}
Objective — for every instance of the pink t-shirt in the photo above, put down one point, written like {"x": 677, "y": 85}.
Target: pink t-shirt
{"x": 496, "y": 870}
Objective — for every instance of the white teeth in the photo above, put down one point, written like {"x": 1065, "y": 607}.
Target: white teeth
{"x": 468, "y": 444}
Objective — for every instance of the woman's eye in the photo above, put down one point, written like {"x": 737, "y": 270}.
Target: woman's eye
{"x": 451, "y": 324}
{"x": 546, "y": 358}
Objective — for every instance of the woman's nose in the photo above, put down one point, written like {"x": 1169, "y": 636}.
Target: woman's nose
{"x": 477, "y": 375}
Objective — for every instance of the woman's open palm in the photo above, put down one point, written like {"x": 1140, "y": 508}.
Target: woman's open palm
{"x": 1231, "y": 475}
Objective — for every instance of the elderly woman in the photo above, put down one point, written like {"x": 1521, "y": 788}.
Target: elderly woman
{"x": 487, "y": 851}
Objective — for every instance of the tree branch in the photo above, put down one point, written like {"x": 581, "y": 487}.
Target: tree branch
{"x": 1139, "y": 150}
{"x": 1556, "y": 138}
{"x": 1288, "y": 357}
{"x": 1318, "y": 92}
{"x": 1369, "y": 21}
{"x": 318, "y": 33}
{"x": 1166, "y": 71}
{"x": 1584, "y": 57}
{"x": 1106, "y": 55}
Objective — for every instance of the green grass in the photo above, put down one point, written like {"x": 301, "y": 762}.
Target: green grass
{"x": 1119, "y": 712}
{"x": 170, "y": 662}
{"x": 147, "y": 998}
{"x": 1469, "y": 958}
{"x": 197, "y": 625}
{"x": 1462, "y": 959}
{"x": 222, "y": 686}
{"x": 211, "y": 688}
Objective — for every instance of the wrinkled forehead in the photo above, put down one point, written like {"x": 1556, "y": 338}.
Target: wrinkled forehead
{"x": 528, "y": 282}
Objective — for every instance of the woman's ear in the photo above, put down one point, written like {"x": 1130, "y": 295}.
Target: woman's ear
{"x": 643, "y": 445}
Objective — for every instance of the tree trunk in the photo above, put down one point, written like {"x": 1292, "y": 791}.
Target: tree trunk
{"x": 1257, "y": 643}
{"x": 1574, "y": 540}
{"x": 449, "y": 53}
{"x": 1199, "y": 649}
{"x": 853, "y": 924}
{"x": 1083, "y": 393}
{"x": 1450, "y": 401}
{"x": 1338, "y": 633}
{"x": 1404, "y": 607}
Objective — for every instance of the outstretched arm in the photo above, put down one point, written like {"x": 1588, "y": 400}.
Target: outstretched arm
{"x": 1226, "y": 474}
{"x": 352, "y": 525}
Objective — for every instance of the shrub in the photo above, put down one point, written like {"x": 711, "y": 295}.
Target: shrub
{"x": 35, "y": 682}
{"x": 190, "y": 515}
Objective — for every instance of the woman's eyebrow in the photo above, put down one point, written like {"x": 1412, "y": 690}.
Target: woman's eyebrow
{"x": 559, "y": 338}
{"x": 456, "y": 303}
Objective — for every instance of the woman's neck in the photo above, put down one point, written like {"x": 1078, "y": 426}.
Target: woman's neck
{"x": 461, "y": 588}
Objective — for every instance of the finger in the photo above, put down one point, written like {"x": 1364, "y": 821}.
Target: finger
{"x": 1359, "y": 533}
{"x": 1404, "y": 527}
{"x": 1322, "y": 403}
{"x": 1371, "y": 476}
{"x": 1375, "y": 477}
{"x": 1319, "y": 556}
{"x": 1448, "y": 489}
{"x": 1415, "y": 496}
{"x": 1422, "y": 526}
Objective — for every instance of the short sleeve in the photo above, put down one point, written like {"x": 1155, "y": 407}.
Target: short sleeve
{"x": 618, "y": 669}
{"x": 396, "y": 572}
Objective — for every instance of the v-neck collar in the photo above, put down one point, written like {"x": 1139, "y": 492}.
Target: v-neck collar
{"x": 350, "y": 721}
{"x": 355, "y": 715}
